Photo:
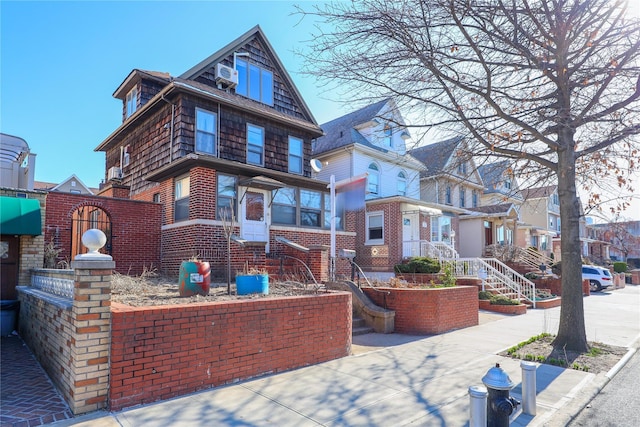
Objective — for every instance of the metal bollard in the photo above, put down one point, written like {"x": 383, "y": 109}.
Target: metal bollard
{"x": 478, "y": 406}
{"x": 499, "y": 404}
{"x": 528, "y": 387}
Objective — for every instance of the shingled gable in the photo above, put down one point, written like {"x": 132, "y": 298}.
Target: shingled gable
{"x": 343, "y": 131}
{"x": 194, "y": 81}
{"x": 243, "y": 44}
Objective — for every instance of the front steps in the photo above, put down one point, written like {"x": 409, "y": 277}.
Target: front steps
{"x": 360, "y": 327}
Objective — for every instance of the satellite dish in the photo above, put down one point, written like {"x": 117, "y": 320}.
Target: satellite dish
{"x": 316, "y": 165}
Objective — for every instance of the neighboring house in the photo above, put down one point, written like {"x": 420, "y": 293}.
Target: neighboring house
{"x": 502, "y": 188}
{"x": 225, "y": 146}
{"x": 623, "y": 238}
{"x": 17, "y": 163}
{"x": 450, "y": 183}
{"x": 21, "y": 216}
{"x": 73, "y": 184}
{"x": 372, "y": 142}
{"x": 541, "y": 209}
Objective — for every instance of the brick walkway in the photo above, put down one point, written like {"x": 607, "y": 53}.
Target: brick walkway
{"x": 27, "y": 396}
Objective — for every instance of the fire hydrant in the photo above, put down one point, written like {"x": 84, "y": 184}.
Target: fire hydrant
{"x": 499, "y": 404}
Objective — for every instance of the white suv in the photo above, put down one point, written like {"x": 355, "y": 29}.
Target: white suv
{"x": 598, "y": 277}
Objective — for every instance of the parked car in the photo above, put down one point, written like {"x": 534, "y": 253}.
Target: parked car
{"x": 598, "y": 277}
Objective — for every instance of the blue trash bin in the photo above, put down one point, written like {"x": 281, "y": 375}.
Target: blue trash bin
{"x": 8, "y": 315}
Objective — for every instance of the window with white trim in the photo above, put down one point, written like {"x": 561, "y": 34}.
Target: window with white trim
{"x": 205, "y": 132}
{"x": 447, "y": 195}
{"x": 295, "y": 155}
{"x": 375, "y": 228}
{"x": 373, "y": 180}
{"x": 255, "y": 145}
{"x": 463, "y": 196}
{"x": 401, "y": 185}
{"x": 474, "y": 198}
{"x": 226, "y": 197}
{"x": 387, "y": 135}
{"x": 254, "y": 82}
{"x": 181, "y": 204}
{"x": 132, "y": 101}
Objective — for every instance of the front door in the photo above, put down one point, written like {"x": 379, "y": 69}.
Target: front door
{"x": 9, "y": 254}
{"x": 488, "y": 233}
{"x": 410, "y": 235}
{"x": 255, "y": 215}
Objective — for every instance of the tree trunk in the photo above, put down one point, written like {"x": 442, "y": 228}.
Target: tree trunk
{"x": 571, "y": 331}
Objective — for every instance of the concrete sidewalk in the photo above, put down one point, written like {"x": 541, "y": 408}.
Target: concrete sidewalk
{"x": 395, "y": 380}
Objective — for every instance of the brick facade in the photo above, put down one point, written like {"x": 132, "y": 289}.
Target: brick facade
{"x": 71, "y": 338}
{"x": 429, "y": 311}
{"x": 135, "y": 228}
{"x": 163, "y": 352}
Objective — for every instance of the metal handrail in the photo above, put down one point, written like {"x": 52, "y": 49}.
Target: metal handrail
{"x": 305, "y": 266}
{"x": 492, "y": 268}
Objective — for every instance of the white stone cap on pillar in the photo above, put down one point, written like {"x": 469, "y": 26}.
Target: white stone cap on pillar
{"x": 478, "y": 391}
{"x": 93, "y": 239}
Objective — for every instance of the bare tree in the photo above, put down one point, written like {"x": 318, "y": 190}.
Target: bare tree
{"x": 551, "y": 84}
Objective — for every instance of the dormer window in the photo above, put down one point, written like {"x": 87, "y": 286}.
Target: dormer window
{"x": 388, "y": 133}
{"x": 132, "y": 101}
{"x": 507, "y": 184}
{"x": 254, "y": 82}
{"x": 462, "y": 168}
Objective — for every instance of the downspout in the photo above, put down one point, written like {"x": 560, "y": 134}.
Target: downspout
{"x": 173, "y": 109}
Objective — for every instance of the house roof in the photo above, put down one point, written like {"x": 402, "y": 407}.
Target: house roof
{"x": 137, "y": 74}
{"x": 52, "y": 186}
{"x": 436, "y": 156}
{"x": 492, "y": 174}
{"x": 538, "y": 192}
{"x": 342, "y": 131}
{"x": 239, "y": 43}
{"x": 502, "y": 208}
{"x": 186, "y": 83}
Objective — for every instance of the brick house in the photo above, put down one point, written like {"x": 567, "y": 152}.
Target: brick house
{"x": 372, "y": 141}
{"x": 226, "y": 143}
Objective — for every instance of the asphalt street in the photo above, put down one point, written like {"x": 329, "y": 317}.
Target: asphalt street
{"x": 618, "y": 404}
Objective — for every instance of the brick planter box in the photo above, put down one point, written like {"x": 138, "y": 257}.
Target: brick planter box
{"x": 485, "y": 304}
{"x": 162, "y": 352}
{"x": 555, "y": 286}
{"x": 549, "y": 303}
{"x": 425, "y": 278}
{"x": 429, "y": 311}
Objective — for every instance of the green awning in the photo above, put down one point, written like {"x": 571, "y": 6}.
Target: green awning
{"x": 20, "y": 216}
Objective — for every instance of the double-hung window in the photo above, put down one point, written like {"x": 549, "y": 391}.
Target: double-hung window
{"x": 181, "y": 206}
{"x": 447, "y": 195}
{"x": 373, "y": 181}
{"x": 254, "y": 82}
{"x": 387, "y": 135}
{"x": 375, "y": 228}
{"x": 255, "y": 145}
{"x": 310, "y": 208}
{"x": 205, "y": 132}
{"x": 226, "y": 197}
{"x": 463, "y": 197}
{"x": 474, "y": 198}
{"x": 283, "y": 206}
{"x": 295, "y": 155}
{"x": 402, "y": 184}
{"x": 132, "y": 101}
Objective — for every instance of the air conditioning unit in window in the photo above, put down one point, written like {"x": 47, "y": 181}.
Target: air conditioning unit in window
{"x": 226, "y": 75}
{"x": 114, "y": 173}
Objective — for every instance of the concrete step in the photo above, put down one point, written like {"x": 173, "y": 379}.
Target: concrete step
{"x": 360, "y": 327}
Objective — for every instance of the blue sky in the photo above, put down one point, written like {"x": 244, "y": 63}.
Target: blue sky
{"x": 62, "y": 61}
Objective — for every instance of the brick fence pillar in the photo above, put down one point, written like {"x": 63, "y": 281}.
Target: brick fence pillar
{"x": 319, "y": 262}
{"x": 90, "y": 339}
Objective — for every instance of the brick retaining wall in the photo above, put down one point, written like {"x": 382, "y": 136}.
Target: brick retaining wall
{"x": 430, "y": 311}
{"x": 163, "y": 352}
